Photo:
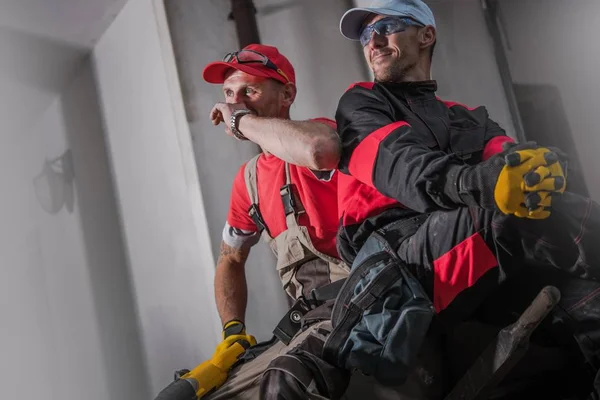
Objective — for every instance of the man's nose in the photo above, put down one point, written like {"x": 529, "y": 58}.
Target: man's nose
{"x": 234, "y": 99}
{"x": 377, "y": 40}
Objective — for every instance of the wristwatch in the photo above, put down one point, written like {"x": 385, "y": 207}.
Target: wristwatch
{"x": 234, "y": 121}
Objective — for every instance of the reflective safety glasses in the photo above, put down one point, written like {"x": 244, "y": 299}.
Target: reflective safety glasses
{"x": 253, "y": 57}
{"x": 386, "y": 26}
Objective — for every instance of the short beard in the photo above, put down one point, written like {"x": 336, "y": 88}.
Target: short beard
{"x": 396, "y": 73}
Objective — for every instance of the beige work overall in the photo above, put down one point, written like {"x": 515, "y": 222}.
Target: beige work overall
{"x": 301, "y": 268}
{"x": 300, "y": 265}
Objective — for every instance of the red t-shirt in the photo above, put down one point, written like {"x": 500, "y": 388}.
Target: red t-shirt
{"x": 319, "y": 198}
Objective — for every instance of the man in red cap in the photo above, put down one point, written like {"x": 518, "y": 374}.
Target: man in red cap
{"x": 297, "y": 215}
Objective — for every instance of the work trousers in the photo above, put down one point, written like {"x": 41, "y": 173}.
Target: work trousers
{"x": 296, "y": 371}
{"x": 461, "y": 256}
{"x": 469, "y": 259}
{"x": 478, "y": 264}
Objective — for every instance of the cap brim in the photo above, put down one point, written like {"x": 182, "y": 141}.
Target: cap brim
{"x": 216, "y": 72}
{"x": 353, "y": 19}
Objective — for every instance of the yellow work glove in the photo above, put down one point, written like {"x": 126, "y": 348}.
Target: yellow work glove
{"x": 234, "y": 331}
{"x": 211, "y": 374}
{"x": 527, "y": 182}
{"x": 519, "y": 181}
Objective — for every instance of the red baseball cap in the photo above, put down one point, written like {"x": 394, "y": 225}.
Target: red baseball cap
{"x": 283, "y": 72}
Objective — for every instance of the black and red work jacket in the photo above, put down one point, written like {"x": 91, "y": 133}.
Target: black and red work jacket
{"x": 398, "y": 142}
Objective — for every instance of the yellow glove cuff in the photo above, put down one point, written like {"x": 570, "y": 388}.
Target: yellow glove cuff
{"x": 233, "y": 327}
{"x": 233, "y": 332}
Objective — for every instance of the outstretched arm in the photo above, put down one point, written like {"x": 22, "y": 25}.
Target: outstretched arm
{"x": 313, "y": 144}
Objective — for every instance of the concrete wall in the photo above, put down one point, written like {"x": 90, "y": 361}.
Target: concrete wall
{"x": 68, "y": 320}
{"x": 554, "y": 42}
{"x": 326, "y": 64}
{"x": 219, "y": 156}
{"x": 464, "y": 63}
{"x": 157, "y": 184}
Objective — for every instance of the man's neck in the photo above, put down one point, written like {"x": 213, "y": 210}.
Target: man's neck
{"x": 419, "y": 73}
{"x": 284, "y": 114}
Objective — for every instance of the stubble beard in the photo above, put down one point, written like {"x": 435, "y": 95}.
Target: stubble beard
{"x": 394, "y": 73}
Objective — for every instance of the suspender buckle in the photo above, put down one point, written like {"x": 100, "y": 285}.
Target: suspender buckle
{"x": 287, "y": 199}
{"x": 254, "y": 213}
{"x": 290, "y": 205}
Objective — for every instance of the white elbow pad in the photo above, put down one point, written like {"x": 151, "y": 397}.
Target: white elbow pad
{"x": 239, "y": 238}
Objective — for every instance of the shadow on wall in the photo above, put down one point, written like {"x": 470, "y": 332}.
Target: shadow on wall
{"x": 33, "y": 70}
{"x": 41, "y": 77}
{"x": 112, "y": 290}
{"x": 54, "y": 185}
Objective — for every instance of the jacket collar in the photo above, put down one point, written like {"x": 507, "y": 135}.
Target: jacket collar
{"x": 412, "y": 90}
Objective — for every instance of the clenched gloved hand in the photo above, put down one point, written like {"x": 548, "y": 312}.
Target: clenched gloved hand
{"x": 212, "y": 373}
{"x": 235, "y": 331}
{"x": 518, "y": 181}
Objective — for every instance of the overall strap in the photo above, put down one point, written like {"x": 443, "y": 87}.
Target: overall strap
{"x": 252, "y": 187}
{"x": 292, "y": 206}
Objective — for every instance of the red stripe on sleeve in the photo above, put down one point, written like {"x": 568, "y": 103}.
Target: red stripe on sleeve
{"x": 494, "y": 146}
{"x": 453, "y": 103}
{"x": 459, "y": 269}
{"x": 366, "y": 85}
{"x": 363, "y": 158}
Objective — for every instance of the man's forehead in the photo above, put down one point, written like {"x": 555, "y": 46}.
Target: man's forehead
{"x": 237, "y": 77}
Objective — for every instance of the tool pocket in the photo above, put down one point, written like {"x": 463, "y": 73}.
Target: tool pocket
{"x": 380, "y": 318}
{"x": 290, "y": 253}
{"x": 467, "y": 140}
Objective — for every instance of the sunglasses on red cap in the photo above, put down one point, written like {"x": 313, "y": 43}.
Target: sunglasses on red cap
{"x": 253, "y": 57}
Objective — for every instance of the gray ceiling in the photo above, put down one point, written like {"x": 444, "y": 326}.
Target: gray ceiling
{"x": 76, "y": 22}
{"x": 42, "y": 42}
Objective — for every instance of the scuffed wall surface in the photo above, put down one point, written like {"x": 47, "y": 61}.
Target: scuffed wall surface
{"x": 167, "y": 242}
{"x": 464, "y": 63}
{"x": 202, "y": 34}
{"x": 65, "y": 294}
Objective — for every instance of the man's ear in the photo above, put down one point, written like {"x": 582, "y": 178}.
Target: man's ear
{"x": 427, "y": 37}
{"x": 289, "y": 94}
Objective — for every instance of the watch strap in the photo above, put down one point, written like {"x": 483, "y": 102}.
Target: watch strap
{"x": 234, "y": 122}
